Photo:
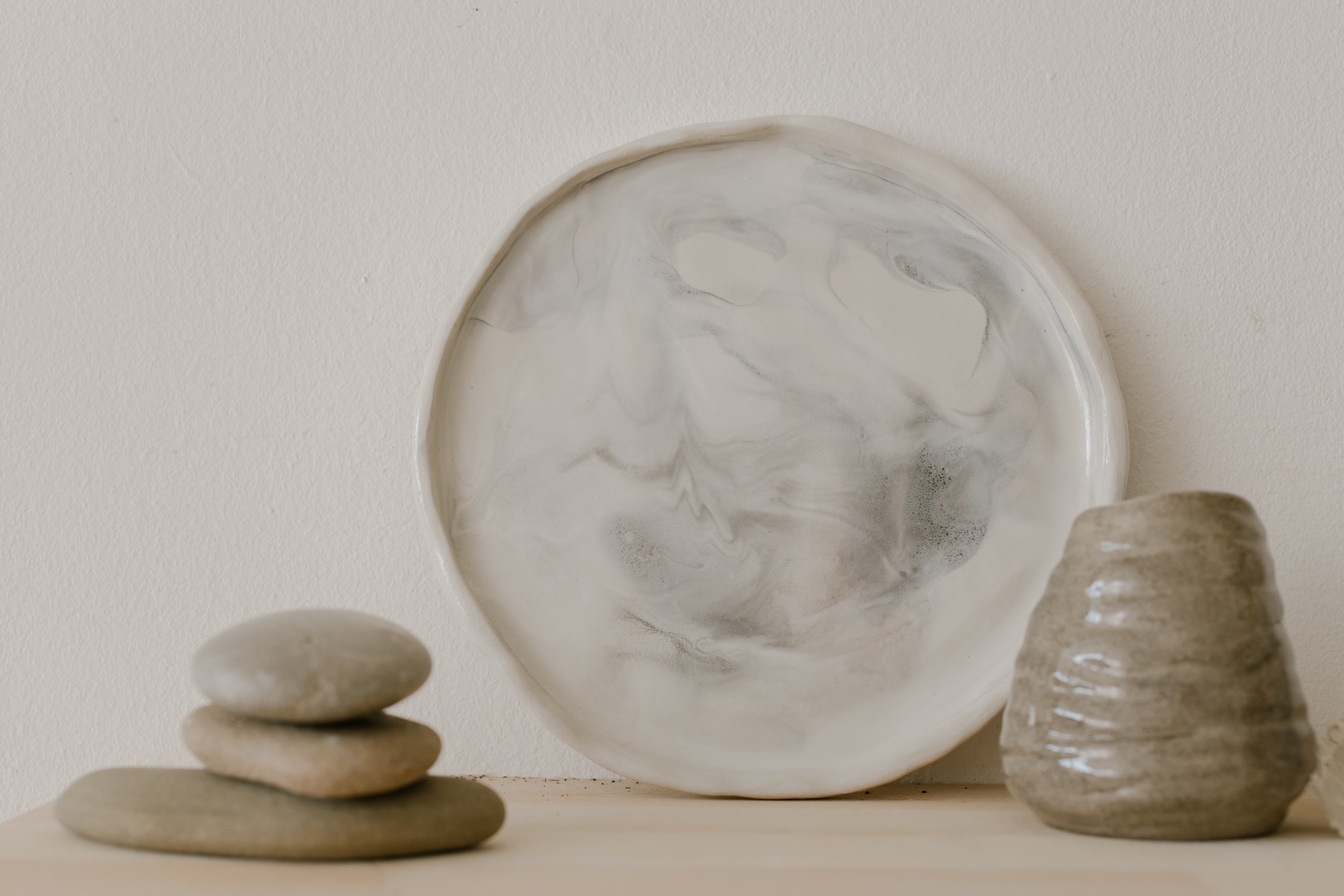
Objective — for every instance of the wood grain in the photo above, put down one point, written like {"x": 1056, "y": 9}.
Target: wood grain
{"x": 593, "y": 837}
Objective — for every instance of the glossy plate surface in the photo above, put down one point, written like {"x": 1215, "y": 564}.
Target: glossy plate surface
{"x": 750, "y": 449}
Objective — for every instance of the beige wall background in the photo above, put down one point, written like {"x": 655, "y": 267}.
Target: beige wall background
{"x": 230, "y": 233}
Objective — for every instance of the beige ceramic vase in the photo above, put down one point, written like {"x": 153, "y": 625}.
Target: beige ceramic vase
{"x": 1154, "y": 696}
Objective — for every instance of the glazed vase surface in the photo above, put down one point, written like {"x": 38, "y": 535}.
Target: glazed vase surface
{"x": 1154, "y": 696}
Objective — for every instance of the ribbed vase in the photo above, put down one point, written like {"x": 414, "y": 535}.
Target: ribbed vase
{"x": 1154, "y": 696}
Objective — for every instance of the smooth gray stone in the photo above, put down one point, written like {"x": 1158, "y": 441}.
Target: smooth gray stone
{"x": 1154, "y": 696}
{"x": 194, "y": 811}
{"x": 375, "y": 754}
{"x": 310, "y": 666}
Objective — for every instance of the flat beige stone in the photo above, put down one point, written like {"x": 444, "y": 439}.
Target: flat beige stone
{"x": 313, "y": 665}
{"x": 194, "y": 811}
{"x": 367, "y": 756}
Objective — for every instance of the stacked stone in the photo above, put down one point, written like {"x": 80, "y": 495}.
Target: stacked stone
{"x": 297, "y": 704}
{"x": 301, "y": 761}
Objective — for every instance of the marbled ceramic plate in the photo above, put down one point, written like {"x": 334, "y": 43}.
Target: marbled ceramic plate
{"x": 750, "y": 449}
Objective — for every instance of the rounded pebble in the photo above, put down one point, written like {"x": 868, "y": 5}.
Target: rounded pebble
{"x": 310, "y": 666}
{"x": 375, "y": 754}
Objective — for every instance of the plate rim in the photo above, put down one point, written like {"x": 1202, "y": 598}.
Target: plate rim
{"x": 1107, "y": 441}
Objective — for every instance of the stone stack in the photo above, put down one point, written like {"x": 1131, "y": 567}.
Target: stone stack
{"x": 297, "y": 704}
{"x": 301, "y": 761}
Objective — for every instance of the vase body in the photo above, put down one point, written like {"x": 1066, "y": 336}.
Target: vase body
{"x": 1154, "y": 696}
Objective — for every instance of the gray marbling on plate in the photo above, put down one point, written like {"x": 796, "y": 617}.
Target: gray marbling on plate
{"x": 752, "y": 446}
{"x": 1154, "y": 696}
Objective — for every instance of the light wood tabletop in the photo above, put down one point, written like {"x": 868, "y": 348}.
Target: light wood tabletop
{"x": 566, "y": 837}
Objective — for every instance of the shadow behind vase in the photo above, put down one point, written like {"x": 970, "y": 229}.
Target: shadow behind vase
{"x": 1154, "y": 696}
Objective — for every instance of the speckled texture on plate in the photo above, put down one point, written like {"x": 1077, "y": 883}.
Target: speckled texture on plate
{"x": 751, "y": 447}
{"x": 1155, "y": 695}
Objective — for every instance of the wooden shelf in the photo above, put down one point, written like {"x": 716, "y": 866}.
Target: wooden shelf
{"x": 571, "y": 837}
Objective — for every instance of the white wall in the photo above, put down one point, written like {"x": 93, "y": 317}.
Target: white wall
{"x": 229, "y": 235}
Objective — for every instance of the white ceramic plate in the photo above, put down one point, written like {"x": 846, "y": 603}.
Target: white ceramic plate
{"x": 749, "y": 450}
